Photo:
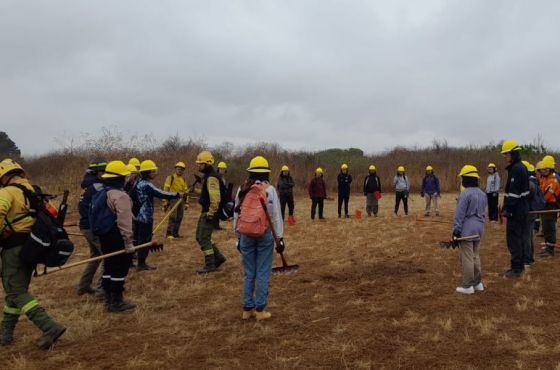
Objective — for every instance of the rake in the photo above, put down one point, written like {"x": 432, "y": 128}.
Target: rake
{"x": 453, "y": 243}
{"x": 285, "y": 268}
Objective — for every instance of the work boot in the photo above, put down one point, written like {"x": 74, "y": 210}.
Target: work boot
{"x": 86, "y": 290}
{"x": 219, "y": 258}
{"x": 209, "y": 265}
{"x": 291, "y": 220}
{"x": 118, "y": 304}
{"x": 50, "y": 336}
{"x": 7, "y": 330}
{"x": 511, "y": 274}
{"x": 247, "y": 314}
{"x": 144, "y": 267}
{"x": 262, "y": 315}
{"x": 546, "y": 252}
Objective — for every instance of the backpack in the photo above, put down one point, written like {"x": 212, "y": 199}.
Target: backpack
{"x": 252, "y": 221}
{"x": 48, "y": 242}
{"x": 225, "y": 211}
{"x": 101, "y": 217}
{"x": 136, "y": 204}
{"x": 536, "y": 198}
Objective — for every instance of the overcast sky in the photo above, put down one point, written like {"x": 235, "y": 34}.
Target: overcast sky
{"x": 302, "y": 73}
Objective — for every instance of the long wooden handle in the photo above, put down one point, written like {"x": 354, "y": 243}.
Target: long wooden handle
{"x": 179, "y": 202}
{"x": 544, "y": 211}
{"x": 103, "y": 256}
{"x": 467, "y": 238}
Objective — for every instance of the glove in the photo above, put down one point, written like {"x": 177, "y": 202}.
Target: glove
{"x": 210, "y": 218}
{"x": 456, "y": 235}
{"x": 495, "y": 195}
{"x": 507, "y": 214}
{"x": 422, "y": 195}
{"x": 129, "y": 248}
{"x": 164, "y": 208}
{"x": 238, "y": 245}
{"x": 280, "y": 246}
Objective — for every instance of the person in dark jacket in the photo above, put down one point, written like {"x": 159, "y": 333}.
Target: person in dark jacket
{"x": 430, "y": 191}
{"x": 91, "y": 184}
{"x": 516, "y": 206}
{"x": 372, "y": 191}
{"x": 317, "y": 193}
{"x": 285, "y": 188}
{"x": 344, "y": 181}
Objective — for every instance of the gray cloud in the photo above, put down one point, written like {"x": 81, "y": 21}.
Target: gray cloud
{"x": 305, "y": 74}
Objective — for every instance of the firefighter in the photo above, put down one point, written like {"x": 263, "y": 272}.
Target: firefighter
{"x": 16, "y": 226}
{"x": 285, "y": 188}
{"x": 222, "y": 171}
{"x": 175, "y": 183}
{"x": 551, "y": 190}
{"x": 210, "y": 200}
{"x": 344, "y": 181}
{"x": 372, "y": 191}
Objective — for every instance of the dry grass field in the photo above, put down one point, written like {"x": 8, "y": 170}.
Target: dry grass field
{"x": 376, "y": 293}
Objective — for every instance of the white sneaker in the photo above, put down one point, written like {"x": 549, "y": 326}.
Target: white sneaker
{"x": 479, "y": 287}
{"x": 469, "y": 290}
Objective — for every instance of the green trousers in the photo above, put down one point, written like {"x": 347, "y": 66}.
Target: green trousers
{"x": 16, "y": 277}
{"x": 204, "y": 231}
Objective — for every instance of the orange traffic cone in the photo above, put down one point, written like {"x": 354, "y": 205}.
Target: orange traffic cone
{"x": 358, "y": 215}
{"x": 291, "y": 220}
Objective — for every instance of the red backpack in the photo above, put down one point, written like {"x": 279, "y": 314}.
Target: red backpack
{"x": 252, "y": 221}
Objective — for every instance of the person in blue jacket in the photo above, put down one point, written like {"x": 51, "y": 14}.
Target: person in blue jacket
{"x": 344, "y": 182}
{"x": 430, "y": 191}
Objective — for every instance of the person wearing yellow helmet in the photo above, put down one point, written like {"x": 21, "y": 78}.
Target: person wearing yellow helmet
{"x": 135, "y": 162}
{"x": 91, "y": 184}
{"x": 402, "y": 189}
{"x": 430, "y": 191}
{"x": 175, "y": 183}
{"x": 516, "y": 207}
{"x": 493, "y": 184}
{"x": 550, "y": 187}
{"x": 469, "y": 221}
{"x": 222, "y": 171}
{"x": 16, "y": 275}
{"x": 285, "y": 188}
{"x": 256, "y": 203}
{"x": 317, "y": 190}
{"x": 344, "y": 181}
{"x": 212, "y": 197}
{"x": 143, "y": 196}
{"x": 536, "y": 203}
{"x": 372, "y": 191}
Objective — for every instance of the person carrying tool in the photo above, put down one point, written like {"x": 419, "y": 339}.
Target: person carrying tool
{"x": 91, "y": 184}
{"x": 256, "y": 239}
{"x": 536, "y": 203}
{"x": 175, "y": 183}
{"x": 493, "y": 184}
{"x": 551, "y": 190}
{"x": 318, "y": 193}
{"x": 402, "y": 189}
{"x": 430, "y": 191}
{"x": 469, "y": 221}
{"x": 143, "y": 195}
{"x": 16, "y": 223}
{"x": 372, "y": 191}
{"x": 111, "y": 215}
{"x": 516, "y": 207}
{"x": 211, "y": 196}
{"x": 344, "y": 180}
{"x": 550, "y": 160}
{"x": 285, "y": 188}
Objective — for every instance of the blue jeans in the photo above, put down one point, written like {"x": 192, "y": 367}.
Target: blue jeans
{"x": 257, "y": 266}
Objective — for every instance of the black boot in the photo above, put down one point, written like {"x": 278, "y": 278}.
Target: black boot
{"x": 50, "y": 336}
{"x": 118, "y": 304}
{"x": 209, "y": 265}
{"x": 219, "y": 258}
{"x": 7, "y": 330}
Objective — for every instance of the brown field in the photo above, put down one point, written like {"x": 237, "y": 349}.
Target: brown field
{"x": 370, "y": 294}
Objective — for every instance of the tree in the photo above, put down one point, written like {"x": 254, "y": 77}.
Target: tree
{"x": 7, "y": 147}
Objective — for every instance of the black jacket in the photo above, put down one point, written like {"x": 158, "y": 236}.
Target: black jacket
{"x": 285, "y": 185}
{"x": 516, "y": 198}
{"x": 372, "y": 183}
{"x": 344, "y": 181}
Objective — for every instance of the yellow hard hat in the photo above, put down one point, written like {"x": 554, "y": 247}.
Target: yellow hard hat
{"x": 134, "y": 161}
{"x": 285, "y": 168}
{"x": 319, "y": 170}
{"x": 205, "y": 157}
{"x": 547, "y": 163}
{"x": 469, "y": 171}
{"x": 116, "y": 169}
{"x": 372, "y": 168}
{"x": 400, "y": 169}
{"x": 344, "y": 167}
{"x": 8, "y": 165}
{"x": 529, "y": 166}
{"x": 510, "y": 146}
{"x": 540, "y": 165}
{"x": 429, "y": 168}
{"x": 222, "y": 165}
{"x": 132, "y": 168}
{"x": 180, "y": 165}
{"x": 549, "y": 159}
{"x": 491, "y": 165}
{"x": 259, "y": 164}
{"x": 148, "y": 165}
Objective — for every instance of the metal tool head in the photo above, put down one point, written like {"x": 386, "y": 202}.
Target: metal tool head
{"x": 156, "y": 247}
{"x": 282, "y": 270}
{"x": 449, "y": 244}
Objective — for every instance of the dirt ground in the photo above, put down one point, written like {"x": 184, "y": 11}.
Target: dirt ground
{"x": 376, "y": 293}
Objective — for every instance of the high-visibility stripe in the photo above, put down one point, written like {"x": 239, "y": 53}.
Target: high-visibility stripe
{"x": 12, "y": 310}
{"x": 34, "y": 237}
{"x": 29, "y": 306}
{"x": 6, "y": 202}
{"x": 117, "y": 279}
{"x": 517, "y": 196}
{"x": 106, "y": 277}
{"x": 209, "y": 252}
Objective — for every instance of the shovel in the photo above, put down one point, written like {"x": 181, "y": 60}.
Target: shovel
{"x": 453, "y": 243}
{"x": 285, "y": 268}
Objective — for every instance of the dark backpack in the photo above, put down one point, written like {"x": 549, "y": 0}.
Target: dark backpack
{"x": 225, "y": 211}
{"x": 101, "y": 217}
{"x": 536, "y": 198}
{"x": 48, "y": 242}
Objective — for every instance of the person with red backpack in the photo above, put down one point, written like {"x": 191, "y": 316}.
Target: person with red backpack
{"x": 255, "y": 236}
